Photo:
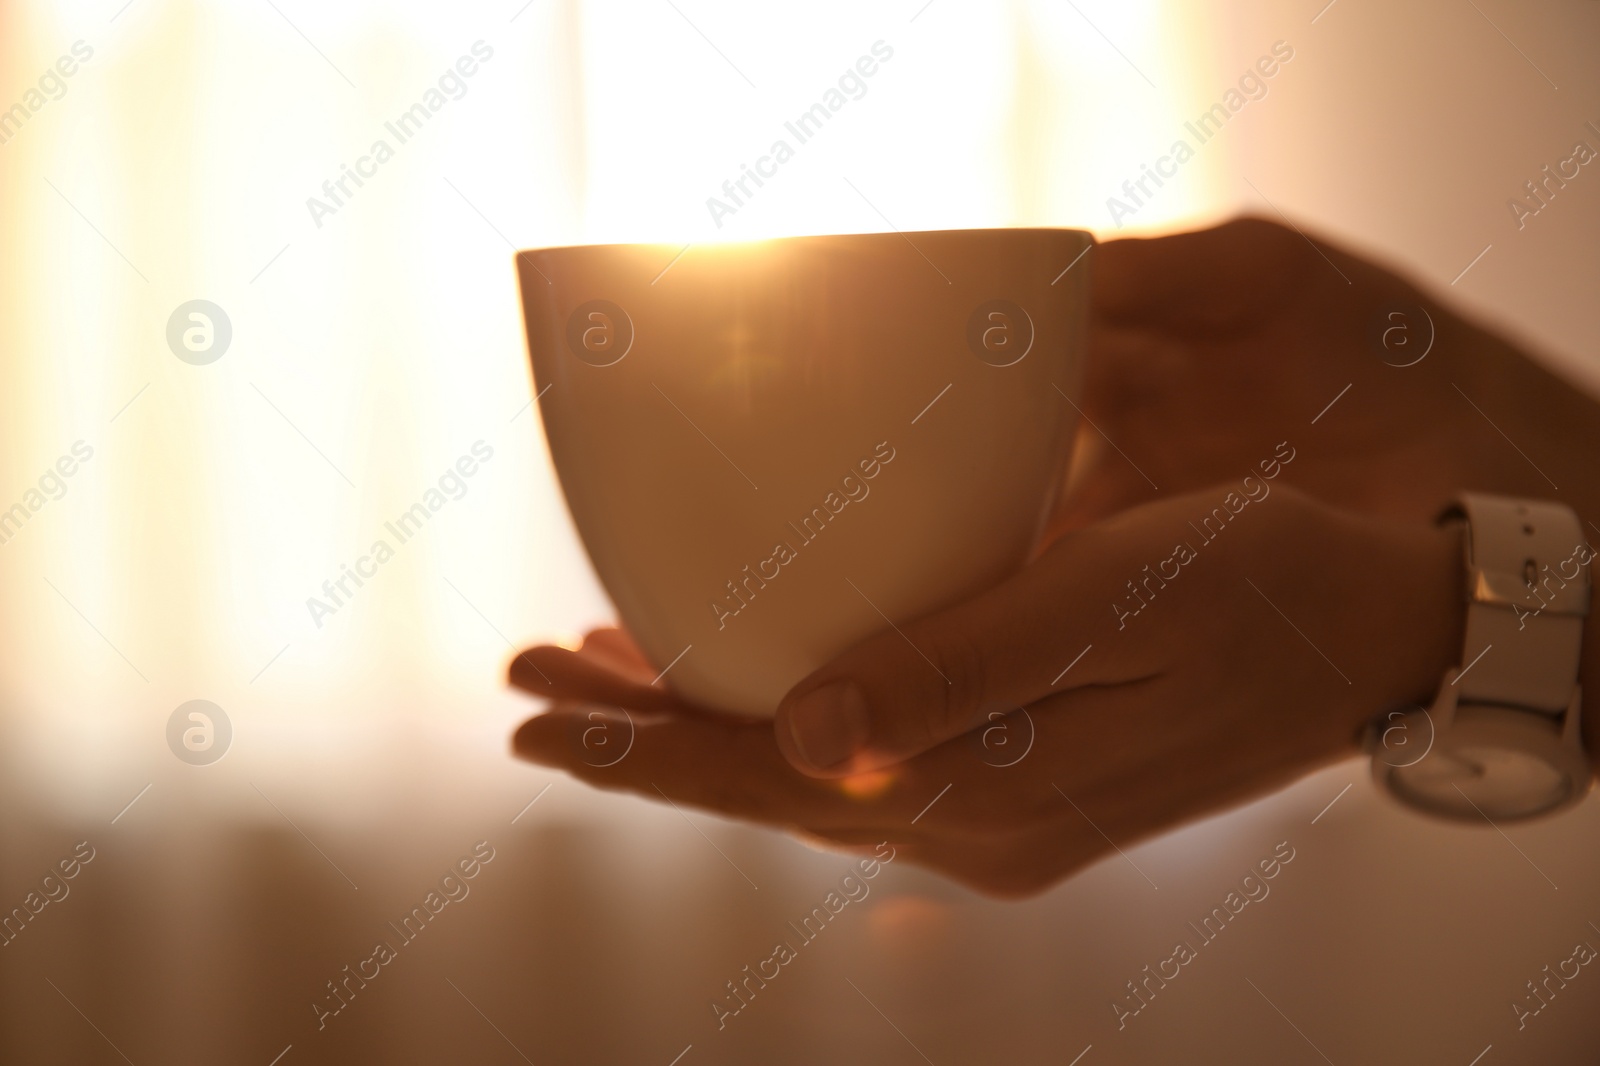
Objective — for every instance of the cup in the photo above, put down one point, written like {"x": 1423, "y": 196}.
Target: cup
{"x": 774, "y": 449}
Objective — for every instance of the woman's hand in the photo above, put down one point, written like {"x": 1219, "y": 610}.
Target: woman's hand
{"x": 1203, "y": 345}
{"x": 1163, "y": 674}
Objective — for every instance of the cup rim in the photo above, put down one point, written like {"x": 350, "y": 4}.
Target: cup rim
{"x": 537, "y": 249}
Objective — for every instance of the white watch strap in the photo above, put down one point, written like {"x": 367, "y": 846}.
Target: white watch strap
{"x": 1527, "y": 593}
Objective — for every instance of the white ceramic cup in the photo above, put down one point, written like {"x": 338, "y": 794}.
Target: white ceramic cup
{"x": 772, "y": 450}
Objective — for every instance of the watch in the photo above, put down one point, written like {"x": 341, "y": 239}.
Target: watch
{"x": 1502, "y": 740}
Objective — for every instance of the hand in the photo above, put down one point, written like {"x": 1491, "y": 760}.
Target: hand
{"x": 1260, "y": 656}
{"x": 1206, "y": 345}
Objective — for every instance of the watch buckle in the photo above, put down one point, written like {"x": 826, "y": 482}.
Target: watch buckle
{"x": 1512, "y": 592}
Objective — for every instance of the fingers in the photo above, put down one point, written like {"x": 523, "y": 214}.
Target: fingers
{"x": 615, "y": 648}
{"x": 604, "y": 676}
{"x": 730, "y": 767}
{"x": 915, "y": 686}
{"x": 557, "y": 673}
{"x": 1226, "y": 278}
{"x": 990, "y": 816}
{"x": 1230, "y": 277}
{"x": 1209, "y": 278}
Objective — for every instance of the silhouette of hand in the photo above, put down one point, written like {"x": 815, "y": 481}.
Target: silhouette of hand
{"x": 1148, "y": 667}
{"x": 1260, "y": 656}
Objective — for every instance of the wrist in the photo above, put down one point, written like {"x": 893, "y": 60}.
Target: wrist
{"x": 1409, "y": 622}
{"x": 1433, "y": 557}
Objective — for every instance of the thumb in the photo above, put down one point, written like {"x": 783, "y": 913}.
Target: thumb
{"x": 921, "y": 683}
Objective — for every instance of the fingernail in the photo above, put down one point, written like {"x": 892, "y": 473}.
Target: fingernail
{"x": 829, "y": 724}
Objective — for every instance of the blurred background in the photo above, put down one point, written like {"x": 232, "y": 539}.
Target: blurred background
{"x": 362, "y": 344}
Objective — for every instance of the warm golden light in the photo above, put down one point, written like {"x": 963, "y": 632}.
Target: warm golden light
{"x": 277, "y": 512}
{"x": 869, "y": 785}
{"x": 361, "y": 256}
